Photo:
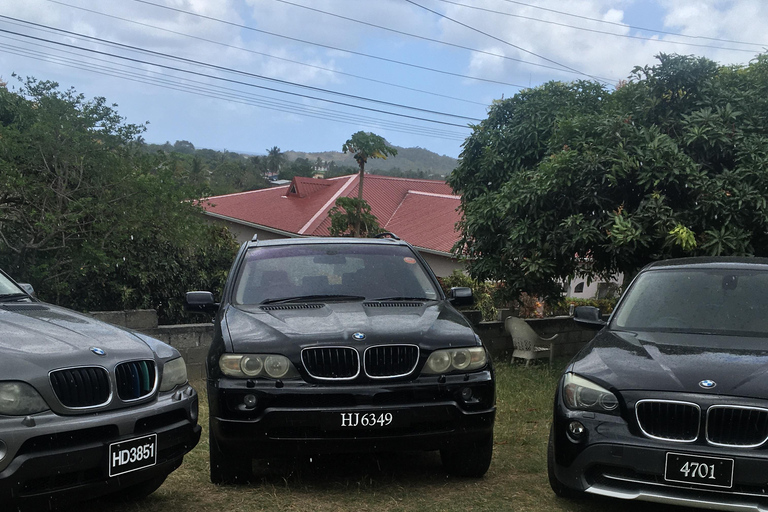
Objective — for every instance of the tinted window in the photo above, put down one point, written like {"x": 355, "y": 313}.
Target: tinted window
{"x": 7, "y": 286}
{"x": 719, "y": 300}
{"x": 370, "y": 271}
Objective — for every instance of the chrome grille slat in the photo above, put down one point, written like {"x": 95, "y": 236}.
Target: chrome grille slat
{"x": 82, "y": 387}
{"x": 387, "y": 361}
{"x": 669, "y": 420}
{"x": 740, "y": 426}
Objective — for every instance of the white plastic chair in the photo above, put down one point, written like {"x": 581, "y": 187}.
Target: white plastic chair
{"x": 527, "y": 344}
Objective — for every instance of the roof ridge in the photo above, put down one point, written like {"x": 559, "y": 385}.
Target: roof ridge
{"x": 433, "y": 194}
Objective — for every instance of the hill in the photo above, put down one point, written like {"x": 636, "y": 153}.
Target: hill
{"x": 407, "y": 159}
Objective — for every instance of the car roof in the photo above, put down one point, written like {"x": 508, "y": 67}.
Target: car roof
{"x": 326, "y": 240}
{"x": 735, "y": 262}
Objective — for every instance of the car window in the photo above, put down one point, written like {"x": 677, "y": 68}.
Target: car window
{"x": 719, "y": 300}
{"x": 7, "y": 286}
{"x": 370, "y": 271}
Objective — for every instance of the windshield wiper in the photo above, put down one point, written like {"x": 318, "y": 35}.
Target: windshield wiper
{"x": 13, "y": 296}
{"x": 314, "y": 298}
{"x": 384, "y": 299}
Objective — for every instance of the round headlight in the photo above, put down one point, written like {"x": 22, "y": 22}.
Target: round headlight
{"x": 461, "y": 358}
{"x": 277, "y": 366}
{"x": 439, "y": 361}
{"x": 251, "y": 366}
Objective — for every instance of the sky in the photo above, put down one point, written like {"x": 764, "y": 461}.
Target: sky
{"x": 304, "y": 75}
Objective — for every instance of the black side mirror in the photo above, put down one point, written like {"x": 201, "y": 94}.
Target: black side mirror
{"x": 461, "y": 296}
{"x": 200, "y": 302}
{"x": 588, "y": 316}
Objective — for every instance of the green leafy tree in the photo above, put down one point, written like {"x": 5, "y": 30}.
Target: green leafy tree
{"x": 572, "y": 177}
{"x": 89, "y": 217}
{"x": 274, "y": 160}
{"x": 364, "y": 146}
{"x": 351, "y": 213}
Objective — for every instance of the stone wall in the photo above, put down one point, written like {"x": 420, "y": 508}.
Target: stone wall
{"x": 192, "y": 340}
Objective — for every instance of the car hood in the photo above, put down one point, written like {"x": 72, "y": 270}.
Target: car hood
{"x": 35, "y": 336}
{"x": 676, "y": 362}
{"x": 431, "y": 325}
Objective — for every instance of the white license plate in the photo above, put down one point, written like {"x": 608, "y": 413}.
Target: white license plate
{"x": 699, "y": 470}
{"x": 132, "y": 454}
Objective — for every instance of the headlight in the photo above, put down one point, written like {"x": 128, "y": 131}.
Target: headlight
{"x": 20, "y": 399}
{"x": 272, "y": 366}
{"x": 583, "y": 395}
{"x": 174, "y": 374}
{"x": 455, "y": 359}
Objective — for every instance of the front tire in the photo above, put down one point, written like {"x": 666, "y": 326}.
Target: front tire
{"x": 469, "y": 459}
{"x": 560, "y": 490}
{"x": 228, "y": 468}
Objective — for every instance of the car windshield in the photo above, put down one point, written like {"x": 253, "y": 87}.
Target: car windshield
{"x": 726, "y": 301}
{"x": 332, "y": 272}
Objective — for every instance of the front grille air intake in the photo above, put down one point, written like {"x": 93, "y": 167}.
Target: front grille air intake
{"x": 737, "y": 426}
{"x": 391, "y": 360}
{"x": 86, "y": 386}
{"x": 331, "y": 363}
{"x": 135, "y": 380}
{"x": 669, "y": 420}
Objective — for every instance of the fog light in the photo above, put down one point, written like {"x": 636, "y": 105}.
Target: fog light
{"x": 466, "y": 394}
{"x": 576, "y": 430}
{"x": 250, "y": 401}
{"x": 194, "y": 411}
{"x": 3, "y": 450}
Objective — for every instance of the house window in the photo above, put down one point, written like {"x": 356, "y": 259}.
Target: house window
{"x": 579, "y": 288}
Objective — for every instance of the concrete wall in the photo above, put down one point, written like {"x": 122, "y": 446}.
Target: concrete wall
{"x": 192, "y": 340}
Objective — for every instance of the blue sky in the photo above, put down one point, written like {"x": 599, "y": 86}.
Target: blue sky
{"x": 303, "y": 75}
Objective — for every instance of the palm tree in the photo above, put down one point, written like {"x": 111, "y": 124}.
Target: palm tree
{"x": 275, "y": 159}
{"x": 364, "y": 146}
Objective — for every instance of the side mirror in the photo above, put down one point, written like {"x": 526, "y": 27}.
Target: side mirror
{"x": 588, "y": 316}
{"x": 28, "y": 288}
{"x": 200, "y": 302}
{"x": 461, "y": 296}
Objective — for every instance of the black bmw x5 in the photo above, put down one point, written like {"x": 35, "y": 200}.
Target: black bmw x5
{"x": 331, "y": 345}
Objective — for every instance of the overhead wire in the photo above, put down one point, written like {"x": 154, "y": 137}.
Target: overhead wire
{"x": 240, "y": 72}
{"x": 585, "y": 29}
{"x": 204, "y": 89}
{"x": 491, "y": 36}
{"x": 264, "y": 54}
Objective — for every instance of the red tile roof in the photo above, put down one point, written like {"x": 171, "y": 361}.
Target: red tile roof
{"x": 422, "y": 212}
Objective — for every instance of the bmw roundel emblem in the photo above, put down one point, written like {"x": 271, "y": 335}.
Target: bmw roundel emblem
{"x": 707, "y": 384}
{"x": 98, "y": 351}
{"x": 359, "y": 336}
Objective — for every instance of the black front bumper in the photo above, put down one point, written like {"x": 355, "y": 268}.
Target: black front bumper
{"x": 301, "y": 418}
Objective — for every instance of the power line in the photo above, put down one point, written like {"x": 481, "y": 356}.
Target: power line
{"x": 351, "y": 52}
{"x": 248, "y": 50}
{"x": 204, "y": 90}
{"x": 575, "y": 27}
{"x": 424, "y": 38}
{"x": 229, "y": 80}
{"x": 503, "y": 41}
{"x": 240, "y": 72}
{"x": 630, "y": 26}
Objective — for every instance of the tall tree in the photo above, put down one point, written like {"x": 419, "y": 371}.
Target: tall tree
{"x": 569, "y": 178}
{"x": 364, "y": 146}
{"x": 274, "y": 160}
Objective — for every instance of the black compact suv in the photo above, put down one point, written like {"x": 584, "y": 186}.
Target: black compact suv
{"x": 669, "y": 402}
{"x": 331, "y": 345}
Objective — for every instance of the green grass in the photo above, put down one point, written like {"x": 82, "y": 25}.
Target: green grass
{"x": 516, "y": 481}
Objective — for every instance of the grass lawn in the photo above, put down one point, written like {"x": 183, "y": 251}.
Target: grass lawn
{"x": 516, "y": 481}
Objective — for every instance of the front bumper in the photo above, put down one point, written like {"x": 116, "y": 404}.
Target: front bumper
{"x": 612, "y": 461}
{"x": 53, "y": 459}
{"x": 301, "y": 418}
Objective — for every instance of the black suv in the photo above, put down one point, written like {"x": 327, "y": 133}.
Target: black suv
{"x": 330, "y": 345}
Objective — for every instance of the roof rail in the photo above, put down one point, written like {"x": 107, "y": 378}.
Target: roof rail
{"x": 387, "y": 234}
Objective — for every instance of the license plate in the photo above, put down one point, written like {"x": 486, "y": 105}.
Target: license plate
{"x": 132, "y": 454}
{"x": 699, "y": 470}
{"x": 365, "y": 420}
